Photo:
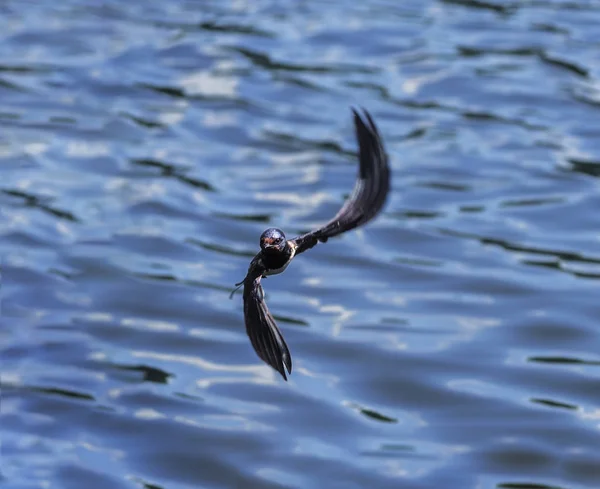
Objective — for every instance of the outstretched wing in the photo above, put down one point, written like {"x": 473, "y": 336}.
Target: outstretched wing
{"x": 370, "y": 191}
{"x": 262, "y": 330}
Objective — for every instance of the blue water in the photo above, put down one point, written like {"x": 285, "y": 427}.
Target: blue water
{"x": 452, "y": 343}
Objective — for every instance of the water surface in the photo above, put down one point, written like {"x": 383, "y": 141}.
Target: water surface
{"x": 454, "y": 342}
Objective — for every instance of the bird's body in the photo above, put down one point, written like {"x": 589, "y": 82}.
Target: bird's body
{"x": 365, "y": 202}
{"x": 277, "y": 262}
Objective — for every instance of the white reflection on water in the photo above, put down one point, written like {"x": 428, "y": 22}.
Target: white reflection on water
{"x": 195, "y": 361}
{"x": 209, "y": 84}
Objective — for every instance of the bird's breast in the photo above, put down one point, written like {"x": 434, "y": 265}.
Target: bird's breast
{"x": 277, "y": 262}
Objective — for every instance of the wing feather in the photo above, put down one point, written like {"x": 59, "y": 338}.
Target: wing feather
{"x": 267, "y": 340}
{"x": 370, "y": 190}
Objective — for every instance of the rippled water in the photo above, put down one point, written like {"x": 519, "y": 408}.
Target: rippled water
{"x": 452, "y": 343}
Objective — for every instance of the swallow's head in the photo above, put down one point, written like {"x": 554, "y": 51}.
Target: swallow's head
{"x": 273, "y": 239}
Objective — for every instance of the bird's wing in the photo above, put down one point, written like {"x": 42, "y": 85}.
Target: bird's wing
{"x": 262, "y": 330}
{"x": 369, "y": 193}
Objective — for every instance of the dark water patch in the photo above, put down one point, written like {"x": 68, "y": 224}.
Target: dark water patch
{"x": 149, "y": 374}
{"x": 298, "y": 82}
{"x": 50, "y": 391}
{"x": 417, "y": 214}
{"x": 166, "y": 169}
{"x": 424, "y": 104}
{"x": 161, "y": 277}
{"x": 554, "y": 404}
{"x": 234, "y": 28}
{"x": 471, "y": 209}
{"x": 144, "y": 122}
{"x": 263, "y": 218}
{"x": 294, "y": 143}
{"x": 418, "y": 262}
{"x": 67, "y": 275}
{"x": 165, "y": 90}
{"x": 553, "y": 264}
{"x": 62, "y": 120}
{"x": 196, "y": 182}
{"x": 486, "y": 116}
{"x": 539, "y": 53}
{"x": 567, "y": 65}
{"x": 290, "y": 320}
{"x": 147, "y": 485}
{"x": 37, "y": 202}
{"x": 372, "y": 414}
{"x": 9, "y": 115}
{"x": 216, "y": 26}
{"x": 380, "y": 90}
{"x": 11, "y": 86}
{"x": 586, "y": 95}
{"x": 264, "y": 61}
{"x": 399, "y": 451}
{"x": 588, "y": 275}
{"x": 473, "y": 51}
{"x": 562, "y": 255}
{"x": 526, "y": 485}
{"x": 531, "y": 202}
{"x": 169, "y": 278}
{"x": 174, "y": 171}
{"x": 564, "y": 5}
{"x": 547, "y": 27}
{"x": 452, "y": 187}
{"x": 219, "y": 248}
{"x": 416, "y": 133}
{"x": 563, "y": 361}
{"x": 27, "y": 69}
{"x": 591, "y": 168}
{"x": 479, "y": 4}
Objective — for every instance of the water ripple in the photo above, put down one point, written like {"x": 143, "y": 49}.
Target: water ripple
{"x": 452, "y": 343}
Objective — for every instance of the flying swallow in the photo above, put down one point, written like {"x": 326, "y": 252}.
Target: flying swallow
{"x": 276, "y": 252}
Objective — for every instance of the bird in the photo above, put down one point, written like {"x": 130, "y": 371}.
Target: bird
{"x": 276, "y": 252}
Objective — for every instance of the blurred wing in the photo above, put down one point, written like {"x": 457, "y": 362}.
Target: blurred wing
{"x": 369, "y": 193}
{"x": 262, "y": 330}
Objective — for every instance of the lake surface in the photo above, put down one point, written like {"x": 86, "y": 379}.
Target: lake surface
{"x": 452, "y": 343}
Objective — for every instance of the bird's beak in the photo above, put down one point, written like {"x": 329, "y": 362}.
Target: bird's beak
{"x": 269, "y": 243}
